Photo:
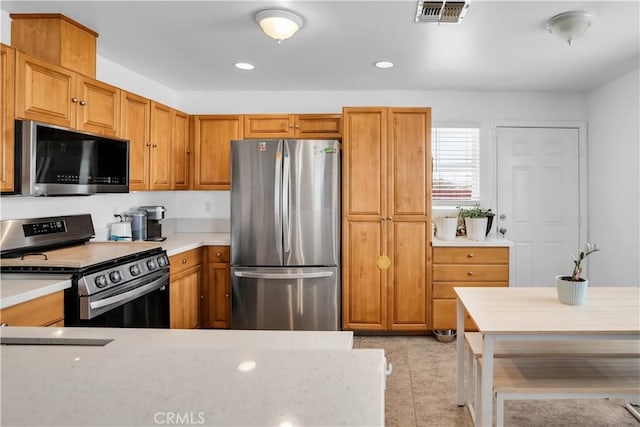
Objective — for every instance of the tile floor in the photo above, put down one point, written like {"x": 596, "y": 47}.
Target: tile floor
{"x": 421, "y": 392}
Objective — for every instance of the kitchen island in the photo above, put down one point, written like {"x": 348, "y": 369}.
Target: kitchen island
{"x": 204, "y": 377}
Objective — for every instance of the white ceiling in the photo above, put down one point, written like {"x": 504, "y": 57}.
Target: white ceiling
{"x": 500, "y": 45}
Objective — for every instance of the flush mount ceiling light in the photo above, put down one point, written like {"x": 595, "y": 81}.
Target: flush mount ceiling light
{"x": 383, "y": 64}
{"x": 279, "y": 24}
{"x": 244, "y": 66}
{"x": 569, "y": 25}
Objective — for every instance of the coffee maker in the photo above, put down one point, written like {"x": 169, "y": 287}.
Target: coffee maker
{"x": 154, "y": 228}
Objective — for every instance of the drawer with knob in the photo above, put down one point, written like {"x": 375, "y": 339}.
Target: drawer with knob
{"x": 470, "y": 272}
{"x": 218, "y": 253}
{"x": 183, "y": 261}
{"x": 470, "y": 255}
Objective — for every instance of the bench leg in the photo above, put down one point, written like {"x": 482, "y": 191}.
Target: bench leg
{"x": 499, "y": 410}
{"x": 633, "y": 410}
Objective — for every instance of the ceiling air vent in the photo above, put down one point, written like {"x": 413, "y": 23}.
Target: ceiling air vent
{"x": 441, "y": 11}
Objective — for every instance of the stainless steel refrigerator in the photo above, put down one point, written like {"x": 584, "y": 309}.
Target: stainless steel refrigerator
{"x": 285, "y": 234}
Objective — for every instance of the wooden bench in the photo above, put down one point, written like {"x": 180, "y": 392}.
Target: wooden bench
{"x": 554, "y": 370}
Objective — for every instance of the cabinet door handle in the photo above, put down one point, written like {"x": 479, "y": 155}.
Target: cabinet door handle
{"x": 188, "y": 151}
{"x": 184, "y": 261}
{"x": 470, "y": 273}
{"x": 83, "y": 102}
{"x": 470, "y": 255}
{"x": 154, "y": 145}
{"x": 201, "y": 296}
{"x": 218, "y": 254}
{"x": 148, "y": 144}
{"x": 74, "y": 100}
{"x": 227, "y": 295}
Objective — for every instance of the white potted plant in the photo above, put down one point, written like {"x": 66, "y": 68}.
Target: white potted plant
{"x": 447, "y": 227}
{"x": 572, "y": 289}
{"x": 475, "y": 221}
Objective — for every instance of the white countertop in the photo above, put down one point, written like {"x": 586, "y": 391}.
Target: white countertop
{"x": 16, "y": 288}
{"x": 182, "y": 242}
{"x": 463, "y": 241}
{"x": 145, "y": 376}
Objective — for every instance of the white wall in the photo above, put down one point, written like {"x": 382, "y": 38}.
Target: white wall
{"x": 614, "y": 181}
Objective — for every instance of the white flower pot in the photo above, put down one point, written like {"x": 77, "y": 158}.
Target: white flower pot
{"x": 476, "y": 228}
{"x": 447, "y": 228}
{"x": 571, "y": 293}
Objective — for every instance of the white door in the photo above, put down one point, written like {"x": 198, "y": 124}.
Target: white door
{"x": 538, "y": 200}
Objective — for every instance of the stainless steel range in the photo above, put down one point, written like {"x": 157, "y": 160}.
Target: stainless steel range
{"x": 114, "y": 284}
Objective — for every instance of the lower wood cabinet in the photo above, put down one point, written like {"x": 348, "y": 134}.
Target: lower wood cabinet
{"x": 464, "y": 267}
{"x": 217, "y": 292}
{"x": 47, "y": 310}
{"x": 186, "y": 279}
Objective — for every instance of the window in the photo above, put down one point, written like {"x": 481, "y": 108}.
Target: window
{"x": 456, "y": 166}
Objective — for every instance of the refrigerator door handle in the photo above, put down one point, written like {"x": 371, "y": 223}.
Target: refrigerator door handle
{"x": 285, "y": 200}
{"x": 277, "y": 200}
{"x": 252, "y": 275}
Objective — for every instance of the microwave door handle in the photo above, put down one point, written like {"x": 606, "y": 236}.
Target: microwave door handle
{"x": 277, "y": 200}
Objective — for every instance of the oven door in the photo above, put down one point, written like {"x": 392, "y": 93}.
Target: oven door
{"x": 143, "y": 304}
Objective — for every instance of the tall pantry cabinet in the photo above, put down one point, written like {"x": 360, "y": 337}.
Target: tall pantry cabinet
{"x": 386, "y": 218}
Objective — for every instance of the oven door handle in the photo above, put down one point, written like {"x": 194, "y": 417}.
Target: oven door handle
{"x": 129, "y": 295}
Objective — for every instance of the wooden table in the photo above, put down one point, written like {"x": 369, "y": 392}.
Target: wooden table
{"x": 534, "y": 313}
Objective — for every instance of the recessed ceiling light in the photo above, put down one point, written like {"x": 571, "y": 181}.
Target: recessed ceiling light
{"x": 383, "y": 64}
{"x": 244, "y": 66}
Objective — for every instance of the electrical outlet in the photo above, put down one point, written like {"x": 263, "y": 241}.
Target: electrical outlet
{"x": 208, "y": 206}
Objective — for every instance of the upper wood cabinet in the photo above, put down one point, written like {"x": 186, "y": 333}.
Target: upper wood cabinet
{"x": 161, "y": 138}
{"x": 136, "y": 126}
{"x": 7, "y": 82}
{"x": 386, "y": 218}
{"x": 182, "y": 152}
{"x": 212, "y": 136}
{"x": 52, "y": 94}
{"x": 309, "y": 126}
{"x": 57, "y": 39}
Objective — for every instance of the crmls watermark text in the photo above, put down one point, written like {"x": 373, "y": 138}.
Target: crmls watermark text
{"x": 179, "y": 418}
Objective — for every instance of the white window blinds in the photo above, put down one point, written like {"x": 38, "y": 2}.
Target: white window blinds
{"x": 456, "y": 166}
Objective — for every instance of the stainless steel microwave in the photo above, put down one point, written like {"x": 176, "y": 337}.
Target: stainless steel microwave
{"x": 56, "y": 161}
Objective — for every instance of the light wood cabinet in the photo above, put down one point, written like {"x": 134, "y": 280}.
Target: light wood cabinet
{"x": 217, "y": 294}
{"x": 136, "y": 126}
{"x": 386, "y": 217}
{"x": 47, "y": 310}
{"x": 306, "y": 126}
{"x": 181, "y": 176}
{"x": 212, "y": 136}
{"x": 57, "y": 39}
{"x": 7, "y": 149}
{"x": 159, "y": 147}
{"x": 471, "y": 266}
{"x": 55, "y": 95}
{"x": 185, "y": 289}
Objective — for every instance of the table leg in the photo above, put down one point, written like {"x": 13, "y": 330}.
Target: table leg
{"x": 460, "y": 349}
{"x": 486, "y": 395}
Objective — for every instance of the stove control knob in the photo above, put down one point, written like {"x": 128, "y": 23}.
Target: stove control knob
{"x": 134, "y": 269}
{"x": 152, "y": 264}
{"x": 115, "y": 276}
{"x": 101, "y": 281}
{"x": 162, "y": 261}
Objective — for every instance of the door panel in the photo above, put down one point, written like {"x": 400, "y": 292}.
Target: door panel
{"x": 255, "y": 222}
{"x": 212, "y": 135}
{"x": 365, "y": 157}
{"x": 135, "y": 126}
{"x": 311, "y": 212}
{"x": 538, "y": 194}
{"x": 408, "y": 293}
{"x": 285, "y": 298}
{"x": 161, "y": 137}
{"x": 364, "y": 300}
{"x": 410, "y": 161}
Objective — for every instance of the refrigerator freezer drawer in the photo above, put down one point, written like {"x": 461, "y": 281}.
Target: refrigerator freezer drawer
{"x": 286, "y": 298}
